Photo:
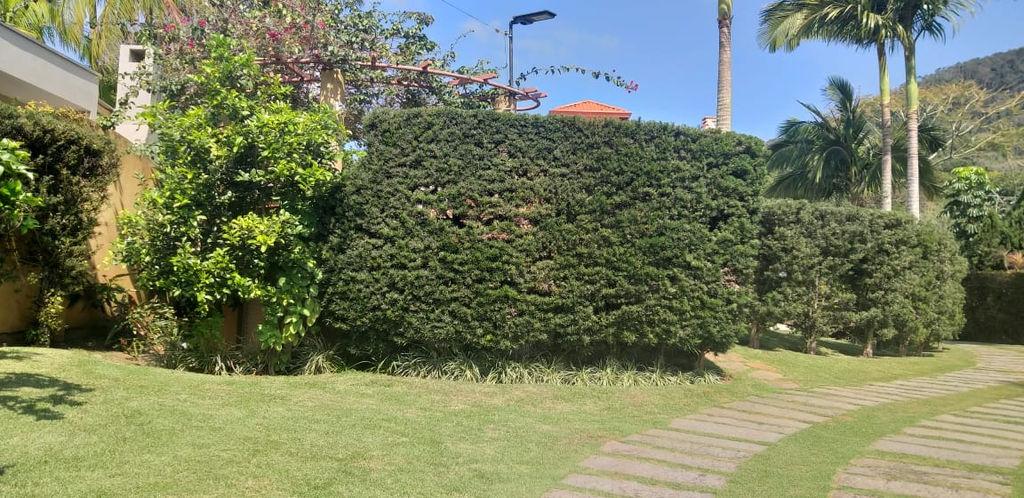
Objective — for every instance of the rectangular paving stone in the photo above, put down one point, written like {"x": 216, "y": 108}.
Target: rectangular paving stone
{"x": 753, "y": 417}
{"x": 842, "y": 398}
{"x": 951, "y": 482}
{"x": 727, "y": 431}
{"x": 907, "y": 393}
{"x": 959, "y": 446}
{"x": 1007, "y": 404}
{"x": 924, "y": 388}
{"x": 998, "y": 418}
{"x": 790, "y": 405}
{"x": 977, "y": 422}
{"x": 977, "y": 430}
{"x": 906, "y": 488}
{"x": 706, "y": 463}
{"x": 844, "y": 494}
{"x": 999, "y": 410}
{"x": 930, "y": 470}
{"x": 746, "y": 424}
{"x": 561, "y": 493}
{"x": 631, "y": 489}
{"x": 861, "y": 393}
{"x": 807, "y": 399}
{"x": 690, "y": 448}
{"x": 966, "y": 436}
{"x": 710, "y": 441}
{"x": 774, "y": 411}
{"x": 944, "y": 454}
{"x": 656, "y": 472}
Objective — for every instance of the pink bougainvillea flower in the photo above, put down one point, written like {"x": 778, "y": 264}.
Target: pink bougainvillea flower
{"x": 202, "y": 23}
{"x": 169, "y": 27}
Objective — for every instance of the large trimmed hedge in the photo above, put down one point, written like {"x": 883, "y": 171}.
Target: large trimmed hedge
{"x": 481, "y": 231}
{"x": 994, "y": 308}
{"x": 74, "y": 162}
{"x": 842, "y": 271}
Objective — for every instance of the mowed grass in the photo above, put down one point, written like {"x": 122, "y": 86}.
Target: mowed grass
{"x": 806, "y": 463}
{"x": 839, "y": 363}
{"x": 75, "y": 423}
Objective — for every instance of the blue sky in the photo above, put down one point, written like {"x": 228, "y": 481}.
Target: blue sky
{"x": 670, "y": 48}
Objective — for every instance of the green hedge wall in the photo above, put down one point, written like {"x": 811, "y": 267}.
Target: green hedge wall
{"x": 994, "y": 308}
{"x": 74, "y": 162}
{"x": 843, "y": 271}
{"x": 482, "y": 231}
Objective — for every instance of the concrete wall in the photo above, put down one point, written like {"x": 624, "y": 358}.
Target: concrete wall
{"x": 33, "y": 72}
{"x": 16, "y": 297}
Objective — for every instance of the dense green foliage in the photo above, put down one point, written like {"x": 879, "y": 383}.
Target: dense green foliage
{"x": 240, "y": 175}
{"x": 858, "y": 273}
{"x": 971, "y": 206}
{"x": 995, "y": 307}
{"x": 74, "y": 162}
{"x": 998, "y": 72}
{"x": 477, "y": 231}
{"x": 16, "y": 198}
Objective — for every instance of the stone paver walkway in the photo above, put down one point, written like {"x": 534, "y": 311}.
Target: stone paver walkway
{"x": 988, "y": 438}
{"x": 695, "y": 456}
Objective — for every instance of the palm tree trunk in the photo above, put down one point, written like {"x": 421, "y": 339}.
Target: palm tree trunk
{"x": 913, "y": 174}
{"x": 724, "y": 65}
{"x": 886, "y": 98}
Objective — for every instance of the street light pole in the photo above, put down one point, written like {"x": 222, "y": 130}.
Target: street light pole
{"x": 511, "y": 54}
{"x": 525, "y": 20}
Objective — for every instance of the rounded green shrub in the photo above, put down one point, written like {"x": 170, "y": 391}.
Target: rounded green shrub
{"x": 842, "y": 271}
{"x": 476, "y": 231}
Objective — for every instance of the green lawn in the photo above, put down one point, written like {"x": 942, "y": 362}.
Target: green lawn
{"x": 74, "y": 423}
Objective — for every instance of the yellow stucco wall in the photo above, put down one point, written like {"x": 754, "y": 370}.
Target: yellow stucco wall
{"x": 16, "y": 297}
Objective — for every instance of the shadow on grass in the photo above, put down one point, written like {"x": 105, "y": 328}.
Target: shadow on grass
{"x": 774, "y": 340}
{"x": 10, "y": 354}
{"x": 39, "y": 396}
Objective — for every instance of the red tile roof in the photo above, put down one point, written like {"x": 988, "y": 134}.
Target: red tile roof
{"x": 591, "y": 109}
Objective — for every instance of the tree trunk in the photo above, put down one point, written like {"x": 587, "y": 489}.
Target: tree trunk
{"x": 913, "y": 173}
{"x": 812, "y": 345}
{"x": 869, "y": 344}
{"x": 885, "y": 96}
{"x": 725, "y": 65}
{"x": 903, "y": 348}
{"x": 755, "y": 336}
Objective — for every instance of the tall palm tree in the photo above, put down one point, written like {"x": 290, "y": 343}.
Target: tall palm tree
{"x": 916, "y": 18}
{"x": 862, "y": 23}
{"x": 34, "y": 17}
{"x": 836, "y": 154}
{"x": 92, "y": 29}
{"x": 724, "y": 112}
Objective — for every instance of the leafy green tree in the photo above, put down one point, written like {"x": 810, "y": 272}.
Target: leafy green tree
{"x": 16, "y": 199}
{"x": 838, "y": 153}
{"x": 785, "y": 24}
{"x": 801, "y": 279}
{"x": 241, "y": 173}
{"x": 914, "y": 19}
{"x": 933, "y": 299}
{"x": 73, "y": 163}
{"x": 972, "y": 207}
{"x": 724, "y": 113}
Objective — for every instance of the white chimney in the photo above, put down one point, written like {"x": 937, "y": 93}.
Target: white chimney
{"x": 130, "y": 60}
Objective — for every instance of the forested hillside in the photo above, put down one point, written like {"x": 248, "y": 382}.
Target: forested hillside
{"x": 1003, "y": 71}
